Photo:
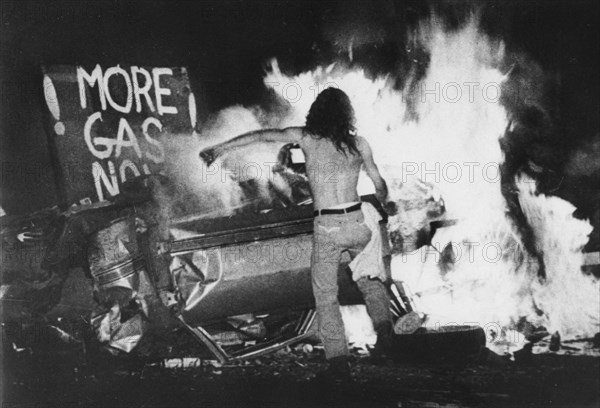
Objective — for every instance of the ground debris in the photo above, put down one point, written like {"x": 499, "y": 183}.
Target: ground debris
{"x": 289, "y": 380}
{"x": 555, "y": 342}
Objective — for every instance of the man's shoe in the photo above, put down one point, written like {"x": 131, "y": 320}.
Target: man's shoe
{"x": 338, "y": 372}
{"x": 382, "y": 350}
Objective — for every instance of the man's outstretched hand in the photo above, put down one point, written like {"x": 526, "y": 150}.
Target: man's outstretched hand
{"x": 210, "y": 154}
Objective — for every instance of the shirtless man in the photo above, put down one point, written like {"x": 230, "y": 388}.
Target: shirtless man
{"x": 334, "y": 156}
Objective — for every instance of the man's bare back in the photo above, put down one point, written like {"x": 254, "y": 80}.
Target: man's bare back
{"x": 332, "y": 175}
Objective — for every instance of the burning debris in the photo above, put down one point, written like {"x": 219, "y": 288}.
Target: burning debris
{"x": 498, "y": 285}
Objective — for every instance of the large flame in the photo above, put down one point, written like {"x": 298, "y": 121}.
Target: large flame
{"x": 451, "y": 139}
{"x": 444, "y": 128}
{"x": 568, "y": 299}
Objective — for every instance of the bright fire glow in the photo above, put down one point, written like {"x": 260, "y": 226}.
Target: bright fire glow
{"x": 444, "y": 128}
{"x": 451, "y": 140}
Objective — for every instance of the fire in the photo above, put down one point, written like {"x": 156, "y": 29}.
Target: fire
{"x": 445, "y": 128}
{"x": 568, "y": 298}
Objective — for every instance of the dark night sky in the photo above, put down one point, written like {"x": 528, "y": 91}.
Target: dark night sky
{"x": 225, "y": 43}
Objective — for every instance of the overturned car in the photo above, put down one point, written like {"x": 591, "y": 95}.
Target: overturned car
{"x": 235, "y": 277}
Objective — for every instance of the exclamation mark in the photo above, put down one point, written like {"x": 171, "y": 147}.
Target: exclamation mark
{"x": 192, "y": 109}
{"x": 53, "y": 107}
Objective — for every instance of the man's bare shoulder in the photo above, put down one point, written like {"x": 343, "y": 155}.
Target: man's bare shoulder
{"x": 362, "y": 144}
{"x": 298, "y": 134}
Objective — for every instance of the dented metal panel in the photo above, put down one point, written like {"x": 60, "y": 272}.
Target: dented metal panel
{"x": 253, "y": 269}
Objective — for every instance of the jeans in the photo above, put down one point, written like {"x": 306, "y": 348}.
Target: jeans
{"x": 334, "y": 234}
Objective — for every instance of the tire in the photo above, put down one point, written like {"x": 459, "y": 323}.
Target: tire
{"x": 450, "y": 343}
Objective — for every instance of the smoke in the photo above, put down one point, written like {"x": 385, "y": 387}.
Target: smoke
{"x": 194, "y": 188}
{"x": 190, "y": 187}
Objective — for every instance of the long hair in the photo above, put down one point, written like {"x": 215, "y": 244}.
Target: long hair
{"x": 331, "y": 116}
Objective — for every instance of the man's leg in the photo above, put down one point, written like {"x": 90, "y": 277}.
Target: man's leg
{"x": 377, "y": 300}
{"x": 324, "y": 267}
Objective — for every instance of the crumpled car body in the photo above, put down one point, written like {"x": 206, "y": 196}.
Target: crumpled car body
{"x": 238, "y": 264}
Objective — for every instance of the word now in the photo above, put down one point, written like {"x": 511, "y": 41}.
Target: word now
{"x": 105, "y": 147}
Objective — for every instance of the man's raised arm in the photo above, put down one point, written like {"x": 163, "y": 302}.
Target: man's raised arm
{"x": 381, "y": 190}
{"x": 287, "y": 135}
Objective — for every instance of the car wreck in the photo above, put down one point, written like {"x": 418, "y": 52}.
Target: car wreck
{"x": 237, "y": 279}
